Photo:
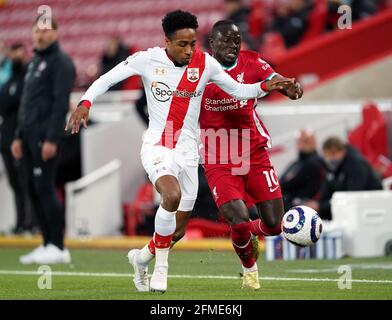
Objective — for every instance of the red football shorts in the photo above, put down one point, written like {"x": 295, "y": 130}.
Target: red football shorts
{"x": 260, "y": 184}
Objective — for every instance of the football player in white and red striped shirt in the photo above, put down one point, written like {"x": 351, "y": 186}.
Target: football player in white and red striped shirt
{"x": 174, "y": 80}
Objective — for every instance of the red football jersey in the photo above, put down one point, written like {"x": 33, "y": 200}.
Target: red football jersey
{"x": 231, "y": 128}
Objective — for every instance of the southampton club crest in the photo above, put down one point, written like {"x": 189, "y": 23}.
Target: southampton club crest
{"x": 193, "y": 74}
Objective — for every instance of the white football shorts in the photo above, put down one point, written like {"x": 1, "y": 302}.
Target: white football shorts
{"x": 159, "y": 161}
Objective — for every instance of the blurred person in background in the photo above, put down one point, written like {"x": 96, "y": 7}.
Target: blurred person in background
{"x": 10, "y": 95}
{"x": 69, "y": 163}
{"x": 238, "y": 12}
{"x": 41, "y": 118}
{"x": 384, "y": 4}
{"x": 291, "y": 20}
{"x": 5, "y": 64}
{"x": 114, "y": 52}
{"x": 347, "y": 170}
{"x": 361, "y": 9}
{"x": 303, "y": 178}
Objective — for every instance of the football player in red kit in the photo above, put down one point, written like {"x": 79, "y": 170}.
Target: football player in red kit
{"x": 236, "y": 161}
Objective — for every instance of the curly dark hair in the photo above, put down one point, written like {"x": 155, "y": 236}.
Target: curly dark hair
{"x": 177, "y": 20}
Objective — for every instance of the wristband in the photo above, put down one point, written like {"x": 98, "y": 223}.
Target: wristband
{"x": 263, "y": 86}
{"x": 85, "y": 103}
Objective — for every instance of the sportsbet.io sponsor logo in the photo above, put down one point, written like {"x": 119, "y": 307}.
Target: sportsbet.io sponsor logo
{"x": 162, "y": 92}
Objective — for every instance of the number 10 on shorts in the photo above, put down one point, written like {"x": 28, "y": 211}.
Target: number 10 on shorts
{"x": 272, "y": 180}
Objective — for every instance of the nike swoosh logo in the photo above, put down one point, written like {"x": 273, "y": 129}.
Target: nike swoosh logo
{"x": 274, "y": 189}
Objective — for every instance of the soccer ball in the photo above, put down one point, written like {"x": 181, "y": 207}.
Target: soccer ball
{"x": 302, "y": 226}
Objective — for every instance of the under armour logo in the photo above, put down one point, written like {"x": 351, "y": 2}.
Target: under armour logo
{"x": 160, "y": 71}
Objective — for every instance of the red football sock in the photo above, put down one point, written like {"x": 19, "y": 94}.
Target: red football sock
{"x": 162, "y": 242}
{"x": 257, "y": 227}
{"x": 151, "y": 246}
{"x": 241, "y": 239}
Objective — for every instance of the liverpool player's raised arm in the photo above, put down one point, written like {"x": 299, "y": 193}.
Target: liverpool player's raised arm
{"x": 133, "y": 65}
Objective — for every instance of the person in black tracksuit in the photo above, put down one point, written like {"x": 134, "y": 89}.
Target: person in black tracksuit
{"x": 115, "y": 52}
{"x": 347, "y": 170}
{"x": 292, "y": 21}
{"x": 10, "y": 95}
{"x": 238, "y": 12}
{"x": 302, "y": 180}
{"x": 41, "y": 121}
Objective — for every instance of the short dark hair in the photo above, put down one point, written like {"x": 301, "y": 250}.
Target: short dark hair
{"x": 177, "y": 20}
{"x": 219, "y": 24}
{"x": 334, "y": 143}
{"x": 53, "y": 20}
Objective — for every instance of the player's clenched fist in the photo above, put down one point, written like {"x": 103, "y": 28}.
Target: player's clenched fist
{"x": 294, "y": 90}
{"x": 79, "y": 115}
{"x": 288, "y": 86}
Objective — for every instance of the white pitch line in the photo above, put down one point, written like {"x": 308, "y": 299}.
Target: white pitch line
{"x": 183, "y": 276}
{"x": 354, "y": 266}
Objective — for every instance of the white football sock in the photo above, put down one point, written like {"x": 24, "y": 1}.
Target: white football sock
{"x": 161, "y": 257}
{"x": 165, "y": 222}
{"x": 145, "y": 255}
{"x": 253, "y": 268}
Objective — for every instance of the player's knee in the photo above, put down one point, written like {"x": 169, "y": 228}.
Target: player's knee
{"x": 171, "y": 200}
{"x": 234, "y": 214}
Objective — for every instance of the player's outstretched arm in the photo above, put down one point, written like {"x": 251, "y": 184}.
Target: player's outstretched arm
{"x": 133, "y": 65}
{"x": 79, "y": 115}
{"x": 99, "y": 86}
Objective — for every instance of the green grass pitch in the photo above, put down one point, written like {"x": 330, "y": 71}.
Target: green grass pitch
{"x": 106, "y": 274}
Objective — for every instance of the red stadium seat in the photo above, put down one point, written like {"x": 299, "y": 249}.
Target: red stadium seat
{"x": 142, "y": 205}
{"x": 371, "y": 139}
{"x": 84, "y": 25}
{"x": 203, "y": 228}
{"x": 273, "y": 46}
{"x": 257, "y": 18}
{"x": 317, "y": 20}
